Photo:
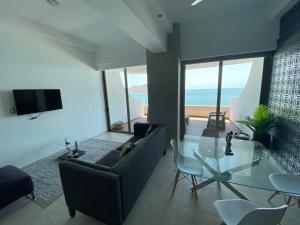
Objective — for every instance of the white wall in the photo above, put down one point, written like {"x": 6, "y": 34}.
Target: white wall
{"x": 201, "y": 40}
{"x": 247, "y": 102}
{"x": 125, "y": 53}
{"x": 227, "y": 37}
{"x": 31, "y": 61}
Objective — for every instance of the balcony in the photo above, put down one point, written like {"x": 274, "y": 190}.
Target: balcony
{"x": 198, "y": 117}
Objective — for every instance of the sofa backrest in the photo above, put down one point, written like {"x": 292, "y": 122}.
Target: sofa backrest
{"x": 135, "y": 169}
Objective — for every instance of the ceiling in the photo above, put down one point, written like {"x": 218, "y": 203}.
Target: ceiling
{"x": 180, "y": 10}
{"x": 78, "y": 19}
{"x": 73, "y": 17}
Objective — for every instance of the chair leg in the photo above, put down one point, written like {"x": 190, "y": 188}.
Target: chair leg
{"x": 289, "y": 201}
{"x": 194, "y": 185}
{"x": 299, "y": 202}
{"x": 284, "y": 198}
{"x": 175, "y": 182}
{"x": 273, "y": 195}
{"x": 72, "y": 212}
{"x": 32, "y": 196}
{"x": 195, "y": 179}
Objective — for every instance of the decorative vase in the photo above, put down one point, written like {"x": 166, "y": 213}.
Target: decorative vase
{"x": 262, "y": 138}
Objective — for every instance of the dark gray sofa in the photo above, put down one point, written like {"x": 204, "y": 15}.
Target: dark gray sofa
{"x": 108, "y": 189}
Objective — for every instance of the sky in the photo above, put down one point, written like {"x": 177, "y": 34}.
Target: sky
{"x": 135, "y": 79}
{"x": 234, "y": 76}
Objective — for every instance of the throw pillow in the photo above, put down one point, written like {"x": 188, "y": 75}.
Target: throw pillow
{"x": 150, "y": 129}
{"x": 139, "y": 141}
{"x": 131, "y": 140}
{"x": 126, "y": 149}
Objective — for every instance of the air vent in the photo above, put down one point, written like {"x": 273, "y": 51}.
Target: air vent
{"x": 53, "y": 2}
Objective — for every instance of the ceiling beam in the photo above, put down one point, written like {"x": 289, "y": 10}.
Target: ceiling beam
{"x": 31, "y": 26}
{"x": 134, "y": 19}
{"x": 280, "y": 7}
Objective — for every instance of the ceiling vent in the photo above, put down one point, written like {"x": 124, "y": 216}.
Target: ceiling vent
{"x": 53, "y": 2}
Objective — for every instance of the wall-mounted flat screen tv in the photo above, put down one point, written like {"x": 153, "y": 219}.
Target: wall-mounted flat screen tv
{"x": 37, "y": 100}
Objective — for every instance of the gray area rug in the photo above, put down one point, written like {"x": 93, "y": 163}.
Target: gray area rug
{"x": 45, "y": 172}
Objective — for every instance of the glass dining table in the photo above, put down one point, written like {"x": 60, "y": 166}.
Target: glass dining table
{"x": 250, "y": 165}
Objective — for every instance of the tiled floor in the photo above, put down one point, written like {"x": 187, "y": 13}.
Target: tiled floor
{"x": 155, "y": 205}
{"x": 113, "y": 136}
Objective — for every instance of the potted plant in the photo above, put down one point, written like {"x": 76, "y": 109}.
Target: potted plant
{"x": 260, "y": 124}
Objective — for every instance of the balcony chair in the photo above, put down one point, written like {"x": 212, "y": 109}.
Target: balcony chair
{"x": 184, "y": 169}
{"x": 243, "y": 212}
{"x": 286, "y": 183}
{"x": 212, "y": 120}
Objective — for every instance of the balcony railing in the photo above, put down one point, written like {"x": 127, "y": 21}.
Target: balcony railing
{"x": 200, "y": 110}
{"x": 204, "y": 110}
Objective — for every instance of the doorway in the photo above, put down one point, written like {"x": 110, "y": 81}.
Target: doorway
{"x": 126, "y": 91}
{"x": 228, "y": 89}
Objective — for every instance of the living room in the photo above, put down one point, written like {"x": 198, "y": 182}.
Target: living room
{"x": 99, "y": 149}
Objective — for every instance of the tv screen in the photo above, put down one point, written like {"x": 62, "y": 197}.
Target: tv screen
{"x": 33, "y": 101}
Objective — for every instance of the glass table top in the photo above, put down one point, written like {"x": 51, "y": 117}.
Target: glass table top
{"x": 250, "y": 165}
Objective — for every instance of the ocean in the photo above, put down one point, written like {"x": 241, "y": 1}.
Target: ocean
{"x": 201, "y": 96}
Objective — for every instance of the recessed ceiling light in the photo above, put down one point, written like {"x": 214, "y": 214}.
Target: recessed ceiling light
{"x": 159, "y": 15}
{"x": 196, "y": 2}
{"x": 53, "y": 2}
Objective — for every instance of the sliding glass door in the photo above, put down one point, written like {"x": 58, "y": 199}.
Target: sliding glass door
{"x": 126, "y": 94}
{"x": 201, "y": 91}
{"x": 117, "y": 100}
{"x": 138, "y": 94}
{"x": 219, "y": 93}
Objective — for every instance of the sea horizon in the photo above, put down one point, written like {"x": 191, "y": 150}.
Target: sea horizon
{"x": 201, "y": 97}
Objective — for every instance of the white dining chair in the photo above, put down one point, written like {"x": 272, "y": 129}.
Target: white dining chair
{"x": 288, "y": 184}
{"x": 183, "y": 169}
{"x": 243, "y": 212}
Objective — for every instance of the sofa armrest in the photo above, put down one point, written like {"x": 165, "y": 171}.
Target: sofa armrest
{"x": 92, "y": 191}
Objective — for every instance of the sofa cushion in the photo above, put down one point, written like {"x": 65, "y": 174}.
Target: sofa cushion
{"x": 126, "y": 149}
{"x": 110, "y": 159}
{"x": 91, "y": 165}
{"x": 131, "y": 140}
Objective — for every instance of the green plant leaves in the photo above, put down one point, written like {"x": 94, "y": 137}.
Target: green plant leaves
{"x": 261, "y": 122}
